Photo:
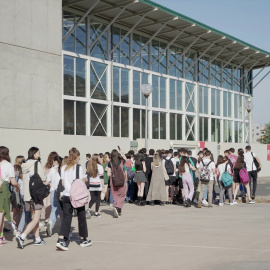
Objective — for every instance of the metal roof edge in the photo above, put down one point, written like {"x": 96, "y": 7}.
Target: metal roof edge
{"x": 190, "y": 20}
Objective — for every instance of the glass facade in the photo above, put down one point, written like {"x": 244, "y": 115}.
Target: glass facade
{"x": 193, "y": 98}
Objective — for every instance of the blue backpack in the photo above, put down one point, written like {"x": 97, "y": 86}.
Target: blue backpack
{"x": 226, "y": 178}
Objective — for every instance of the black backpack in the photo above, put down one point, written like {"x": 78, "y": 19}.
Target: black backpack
{"x": 38, "y": 190}
{"x": 169, "y": 166}
{"x": 118, "y": 176}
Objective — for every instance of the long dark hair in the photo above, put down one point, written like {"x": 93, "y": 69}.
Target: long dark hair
{"x": 220, "y": 160}
{"x": 32, "y": 151}
{"x": 50, "y": 160}
{"x": 4, "y": 154}
{"x": 115, "y": 157}
{"x": 59, "y": 160}
{"x": 17, "y": 166}
{"x": 181, "y": 167}
{"x": 240, "y": 161}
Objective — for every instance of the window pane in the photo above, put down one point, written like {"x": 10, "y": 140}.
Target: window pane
{"x": 172, "y": 126}
{"x": 144, "y": 80}
{"x": 162, "y": 125}
{"x": 124, "y": 85}
{"x": 190, "y": 97}
{"x": 68, "y": 117}
{"x": 213, "y": 102}
{"x": 201, "y": 129}
{"x": 143, "y": 123}
{"x": 80, "y": 41}
{"x": 155, "y": 95}
{"x": 136, "y": 124}
{"x": 155, "y": 125}
{"x": 124, "y": 47}
{"x": 98, "y": 112}
{"x": 116, "y": 81}
{"x": 155, "y": 53}
{"x": 203, "y": 62}
{"x": 179, "y": 126}
{"x": 124, "y": 122}
{"x": 144, "y": 54}
{"x": 189, "y": 61}
{"x": 179, "y": 95}
{"x": 205, "y": 129}
{"x": 218, "y": 102}
{"x": 230, "y": 125}
{"x": 68, "y": 23}
{"x": 98, "y": 89}
{"x": 191, "y": 136}
{"x": 225, "y": 104}
{"x": 80, "y": 118}
{"x": 68, "y": 75}
{"x": 172, "y": 94}
{"x": 116, "y": 120}
{"x": 80, "y": 77}
{"x": 201, "y": 99}
{"x": 162, "y": 92}
{"x": 230, "y": 104}
{"x": 136, "y": 88}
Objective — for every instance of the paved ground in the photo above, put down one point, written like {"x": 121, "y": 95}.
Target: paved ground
{"x": 169, "y": 237}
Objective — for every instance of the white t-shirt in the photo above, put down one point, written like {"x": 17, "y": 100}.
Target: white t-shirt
{"x": 221, "y": 169}
{"x": 250, "y": 162}
{"x": 53, "y": 177}
{"x": 211, "y": 167}
{"x": 69, "y": 176}
{"x": 7, "y": 171}
{"x": 97, "y": 180}
{"x": 173, "y": 161}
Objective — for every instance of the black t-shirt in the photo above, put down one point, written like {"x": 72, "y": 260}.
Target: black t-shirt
{"x": 148, "y": 162}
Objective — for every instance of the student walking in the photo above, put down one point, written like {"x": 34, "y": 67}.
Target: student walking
{"x": 28, "y": 170}
{"x": 157, "y": 190}
{"x": 118, "y": 177}
{"x": 105, "y": 160}
{"x": 96, "y": 184}
{"x": 72, "y": 170}
{"x": 7, "y": 176}
{"x": 184, "y": 170}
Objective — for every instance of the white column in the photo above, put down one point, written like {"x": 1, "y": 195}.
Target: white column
{"x": 184, "y": 110}
{"x": 150, "y": 127}
{"x": 109, "y": 93}
{"x": 168, "y": 109}
{"x": 130, "y": 102}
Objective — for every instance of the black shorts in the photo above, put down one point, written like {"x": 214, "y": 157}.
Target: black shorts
{"x": 171, "y": 181}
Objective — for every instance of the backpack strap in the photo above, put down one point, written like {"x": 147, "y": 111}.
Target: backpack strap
{"x": 226, "y": 167}
{"x": 209, "y": 163}
{"x": 77, "y": 171}
{"x": 17, "y": 176}
{"x": 36, "y": 167}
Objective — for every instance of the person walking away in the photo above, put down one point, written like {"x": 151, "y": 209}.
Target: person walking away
{"x": 223, "y": 166}
{"x": 253, "y": 167}
{"x": 130, "y": 175}
{"x": 7, "y": 176}
{"x": 184, "y": 170}
{"x": 240, "y": 171}
{"x": 95, "y": 174}
{"x": 175, "y": 161}
{"x": 140, "y": 178}
{"x": 105, "y": 160}
{"x": 47, "y": 168}
{"x": 207, "y": 170}
{"x": 157, "y": 191}
{"x": 118, "y": 179}
{"x": 54, "y": 178}
{"x": 88, "y": 157}
{"x": 68, "y": 175}
{"x": 148, "y": 174}
{"x": 28, "y": 170}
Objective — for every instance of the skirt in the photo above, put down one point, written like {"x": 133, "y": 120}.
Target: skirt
{"x": 140, "y": 177}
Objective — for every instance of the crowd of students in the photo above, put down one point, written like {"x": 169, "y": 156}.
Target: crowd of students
{"x": 157, "y": 178}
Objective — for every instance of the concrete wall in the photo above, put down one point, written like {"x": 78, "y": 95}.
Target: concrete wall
{"x": 19, "y": 141}
{"x": 31, "y": 64}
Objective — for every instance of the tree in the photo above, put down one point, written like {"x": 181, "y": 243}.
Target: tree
{"x": 265, "y": 139}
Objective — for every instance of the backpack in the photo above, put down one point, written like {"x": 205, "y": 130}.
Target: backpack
{"x": 118, "y": 177}
{"x": 256, "y": 163}
{"x": 169, "y": 166}
{"x": 243, "y": 175}
{"x": 130, "y": 173}
{"x": 205, "y": 173}
{"x": 38, "y": 191}
{"x": 226, "y": 178}
{"x": 79, "y": 195}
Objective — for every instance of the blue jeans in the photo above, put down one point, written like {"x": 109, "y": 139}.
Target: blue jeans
{"x": 130, "y": 190}
{"x": 55, "y": 207}
{"x": 111, "y": 197}
{"x": 25, "y": 218}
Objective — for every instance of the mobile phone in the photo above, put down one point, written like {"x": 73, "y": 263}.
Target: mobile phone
{"x": 118, "y": 147}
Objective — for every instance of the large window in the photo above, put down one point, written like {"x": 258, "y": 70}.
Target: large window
{"x": 98, "y": 119}
{"x": 203, "y": 129}
{"x": 227, "y": 104}
{"x": 215, "y": 71}
{"x": 175, "y": 62}
{"x": 121, "y": 53}
{"x": 159, "y": 92}
{"x": 215, "y": 102}
{"x": 190, "y": 97}
{"x": 227, "y": 131}
{"x": 176, "y": 126}
{"x": 74, "y": 117}
{"x": 138, "y": 124}
{"x": 176, "y": 95}
{"x": 158, "y": 125}
{"x": 227, "y": 77}
{"x": 190, "y": 127}
{"x": 98, "y": 48}
{"x": 203, "y": 99}
{"x": 190, "y": 67}
{"x": 215, "y": 130}
{"x": 238, "y": 106}
{"x": 139, "y": 78}
{"x": 236, "y": 80}
{"x": 159, "y": 64}
{"x": 142, "y": 59}
{"x": 120, "y": 84}
{"x": 238, "y": 132}
{"x": 204, "y": 69}
{"x": 120, "y": 121}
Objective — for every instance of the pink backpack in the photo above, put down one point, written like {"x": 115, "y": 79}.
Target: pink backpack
{"x": 243, "y": 174}
{"x": 79, "y": 195}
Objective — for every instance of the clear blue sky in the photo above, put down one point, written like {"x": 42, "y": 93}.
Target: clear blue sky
{"x": 248, "y": 20}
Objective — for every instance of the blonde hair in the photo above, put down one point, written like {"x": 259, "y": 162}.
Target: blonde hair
{"x": 156, "y": 160}
{"x": 72, "y": 158}
{"x": 17, "y": 166}
{"x": 92, "y": 167}
{"x": 104, "y": 159}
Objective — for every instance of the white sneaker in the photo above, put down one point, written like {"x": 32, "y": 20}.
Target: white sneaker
{"x": 88, "y": 213}
{"x": 13, "y": 228}
{"x": 195, "y": 201}
{"x": 205, "y": 202}
{"x": 235, "y": 202}
{"x": 232, "y": 203}
{"x": 221, "y": 204}
{"x": 251, "y": 202}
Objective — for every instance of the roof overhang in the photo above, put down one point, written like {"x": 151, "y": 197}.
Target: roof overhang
{"x": 155, "y": 17}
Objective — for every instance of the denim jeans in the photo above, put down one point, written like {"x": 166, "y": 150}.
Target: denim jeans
{"x": 25, "y": 218}
{"x": 130, "y": 190}
{"x": 111, "y": 197}
{"x": 55, "y": 207}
